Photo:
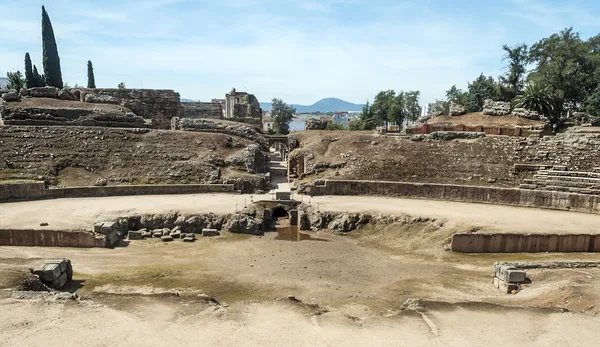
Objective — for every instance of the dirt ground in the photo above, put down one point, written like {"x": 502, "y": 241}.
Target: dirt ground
{"x": 352, "y": 288}
{"x": 83, "y": 213}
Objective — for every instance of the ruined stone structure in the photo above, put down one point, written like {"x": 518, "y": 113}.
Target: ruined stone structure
{"x": 131, "y": 107}
{"x": 79, "y": 156}
{"x": 243, "y": 106}
{"x": 456, "y": 110}
{"x": 210, "y": 110}
{"x": 157, "y": 105}
{"x": 496, "y": 108}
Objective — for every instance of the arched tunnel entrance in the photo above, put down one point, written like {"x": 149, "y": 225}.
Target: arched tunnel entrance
{"x": 279, "y": 212}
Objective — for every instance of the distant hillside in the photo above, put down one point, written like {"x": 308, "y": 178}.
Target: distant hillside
{"x": 323, "y": 105}
{"x": 186, "y": 100}
{"x": 3, "y": 82}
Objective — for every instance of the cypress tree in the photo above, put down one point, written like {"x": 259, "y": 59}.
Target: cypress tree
{"x": 91, "y": 79}
{"x": 29, "y": 77}
{"x": 51, "y": 61}
{"x": 38, "y": 80}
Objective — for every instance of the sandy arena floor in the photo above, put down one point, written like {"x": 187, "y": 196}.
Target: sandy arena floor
{"x": 352, "y": 287}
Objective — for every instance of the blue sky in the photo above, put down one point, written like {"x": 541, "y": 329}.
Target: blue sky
{"x": 300, "y": 51}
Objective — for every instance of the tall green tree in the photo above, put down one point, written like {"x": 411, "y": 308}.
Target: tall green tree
{"x": 283, "y": 115}
{"x": 30, "y": 81}
{"x": 513, "y": 80}
{"x": 391, "y": 107}
{"x": 411, "y": 103}
{"x": 480, "y": 89}
{"x": 37, "y": 78}
{"x": 367, "y": 120}
{"x": 51, "y": 61}
{"x": 383, "y": 107}
{"x": 456, "y": 96}
{"x": 567, "y": 66}
{"x": 15, "y": 80}
{"x": 90, "y": 74}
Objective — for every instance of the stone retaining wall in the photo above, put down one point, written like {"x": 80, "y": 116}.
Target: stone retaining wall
{"x": 37, "y": 190}
{"x": 524, "y": 243}
{"x": 49, "y": 238}
{"x": 474, "y": 194}
{"x": 156, "y": 104}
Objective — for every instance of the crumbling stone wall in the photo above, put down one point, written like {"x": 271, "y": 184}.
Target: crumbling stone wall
{"x": 159, "y": 105}
{"x": 496, "y": 108}
{"x": 210, "y": 110}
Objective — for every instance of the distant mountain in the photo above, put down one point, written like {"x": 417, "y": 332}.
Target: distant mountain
{"x": 186, "y": 100}
{"x": 323, "y": 105}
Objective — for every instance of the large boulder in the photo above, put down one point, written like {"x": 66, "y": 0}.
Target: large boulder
{"x": 456, "y": 110}
{"x": 12, "y": 95}
{"x": 496, "y": 108}
{"x": 44, "y": 92}
{"x": 243, "y": 224}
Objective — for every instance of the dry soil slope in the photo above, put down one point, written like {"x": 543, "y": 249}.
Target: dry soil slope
{"x": 75, "y": 156}
{"x": 484, "y": 161}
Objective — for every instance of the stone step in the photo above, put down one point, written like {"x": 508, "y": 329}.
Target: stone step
{"x": 570, "y": 173}
{"x": 528, "y": 186}
{"x": 571, "y": 190}
{"x": 568, "y": 179}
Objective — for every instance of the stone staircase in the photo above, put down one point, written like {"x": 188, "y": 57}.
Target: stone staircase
{"x": 559, "y": 179}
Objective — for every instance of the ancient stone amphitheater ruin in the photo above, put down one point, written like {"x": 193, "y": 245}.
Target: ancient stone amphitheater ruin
{"x": 132, "y": 216}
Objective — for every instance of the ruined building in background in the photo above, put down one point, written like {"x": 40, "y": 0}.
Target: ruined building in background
{"x": 243, "y": 106}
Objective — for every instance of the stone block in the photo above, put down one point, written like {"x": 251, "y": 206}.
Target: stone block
{"x": 60, "y": 281}
{"x": 283, "y": 195}
{"x": 109, "y": 228}
{"x": 157, "y": 234}
{"x": 188, "y": 239}
{"x": 135, "y": 235}
{"x": 98, "y": 227}
{"x": 514, "y": 276}
{"x": 210, "y": 232}
{"x": 505, "y": 287}
{"x": 166, "y": 238}
{"x": 176, "y": 234}
{"x": 51, "y": 272}
{"x": 166, "y": 231}
{"x": 62, "y": 264}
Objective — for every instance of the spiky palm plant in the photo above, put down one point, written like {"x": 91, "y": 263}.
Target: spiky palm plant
{"x": 535, "y": 97}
